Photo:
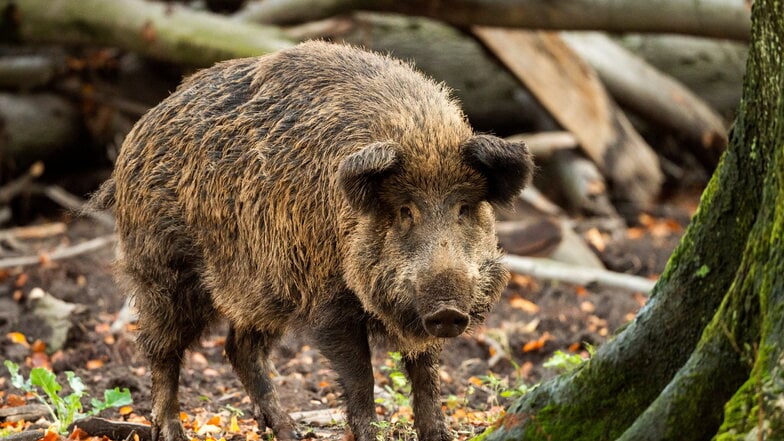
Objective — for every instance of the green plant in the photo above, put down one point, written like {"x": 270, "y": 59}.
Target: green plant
{"x": 234, "y": 410}
{"x": 564, "y": 362}
{"x": 399, "y": 388}
{"x": 501, "y": 387}
{"x": 398, "y": 392}
{"x": 64, "y": 410}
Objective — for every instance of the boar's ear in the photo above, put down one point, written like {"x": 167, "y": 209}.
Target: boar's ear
{"x": 360, "y": 175}
{"x": 507, "y": 166}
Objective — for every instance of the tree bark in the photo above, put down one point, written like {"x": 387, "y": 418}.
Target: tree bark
{"x": 166, "y": 32}
{"x": 710, "y": 18}
{"x": 709, "y": 344}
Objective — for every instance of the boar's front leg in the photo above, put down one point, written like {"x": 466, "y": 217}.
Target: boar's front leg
{"x": 247, "y": 351}
{"x": 341, "y": 335}
{"x": 428, "y": 419}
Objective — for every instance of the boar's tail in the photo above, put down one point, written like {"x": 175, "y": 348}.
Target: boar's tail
{"x": 103, "y": 199}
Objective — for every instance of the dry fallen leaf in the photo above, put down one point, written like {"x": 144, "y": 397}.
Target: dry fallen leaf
{"x": 199, "y": 358}
{"x": 18, "y": 338}
{"x": 587, "y": 306}
{"x": 21, "y": 280}
{"x": 233, "y": 426}
{"x": 537, "y": 344}
{"x": 528, "y": 306}
{"x": 94, "y": 364}
{"x": 635, "y": 233}
{"x": 596, "y": 238}
{"x": 50, "y": 435}
{"x": 531, "y": 326}
{"x": 78, "y": 433}
{"x": 533, "y": 345}
{"x": 38, "y": 346}
{"x": 14, "y": 400}
{"x": 40, "y": 359}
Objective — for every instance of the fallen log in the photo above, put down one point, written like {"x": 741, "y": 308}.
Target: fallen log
{"x": 533, "y": 197}
{"x": 555, "y": 75}
{"x": 538, "y": 238}
{"x": 173, "y": 32}
{"x": 114, "y": 430}
{"x": 713, "y": 69}
{"x": 27, "y": 71}
{"x": 549, "y": 237}
{"x": 580, "y": 183}
{"x": 543, "y": 145}
{"x": 33, "y": 126}
{"x": 27, "y": 412}
{"x": 492, "y": 98}
{"x": 651, "y": 94}
{"x": 710, "y": 18}
{"x": 27, "y": 435}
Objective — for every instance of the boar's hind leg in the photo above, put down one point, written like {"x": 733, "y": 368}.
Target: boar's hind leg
{"x": 428, "y": 418}
{"x": 343, "y": 340}
{"x": 248, "y": 350}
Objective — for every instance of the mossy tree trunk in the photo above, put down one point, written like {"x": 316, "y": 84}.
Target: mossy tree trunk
{"x": 704, "y": 359}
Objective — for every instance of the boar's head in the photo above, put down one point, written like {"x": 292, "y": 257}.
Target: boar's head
{"x": 422, "y": 254}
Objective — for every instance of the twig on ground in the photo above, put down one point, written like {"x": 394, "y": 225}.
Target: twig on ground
{"x": 76, "y": 204}
{"x": 11, "y": 238}
{"x": 59, "y": 254}
{"x": 499, "y": 352}
{"x": 550, "y": 269}
{"x": 20, "y": 184}
{"x": 320, "y": 417}
{"x": 33, "y": 231}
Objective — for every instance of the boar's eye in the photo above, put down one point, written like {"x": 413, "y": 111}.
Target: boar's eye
{"x": 406, "y": 215}
{"x": 465, "y": 210}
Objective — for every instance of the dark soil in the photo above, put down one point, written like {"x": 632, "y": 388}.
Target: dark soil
{"x": 533, "y": 320}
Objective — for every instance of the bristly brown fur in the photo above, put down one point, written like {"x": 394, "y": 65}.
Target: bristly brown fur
{"x": 320, "y": 187}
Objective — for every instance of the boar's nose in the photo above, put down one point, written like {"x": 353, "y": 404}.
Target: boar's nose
{"x": 446, "y": 323}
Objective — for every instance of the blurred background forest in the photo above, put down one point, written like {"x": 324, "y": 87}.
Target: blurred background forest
{"x": 626, "y": 109}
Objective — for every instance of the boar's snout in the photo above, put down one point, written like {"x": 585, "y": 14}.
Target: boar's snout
{"x": 446, "y": 323}
{"x": 443, "y": 301}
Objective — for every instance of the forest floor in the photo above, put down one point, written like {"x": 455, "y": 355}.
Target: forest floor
{"x": 480, "y": 373}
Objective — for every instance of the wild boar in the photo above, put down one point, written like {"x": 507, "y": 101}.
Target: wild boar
{"x": 321, "y": 188}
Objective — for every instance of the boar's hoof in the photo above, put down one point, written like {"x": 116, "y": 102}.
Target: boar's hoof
{"x": 446, "y": 323}
{"x": 170, "y": 430}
